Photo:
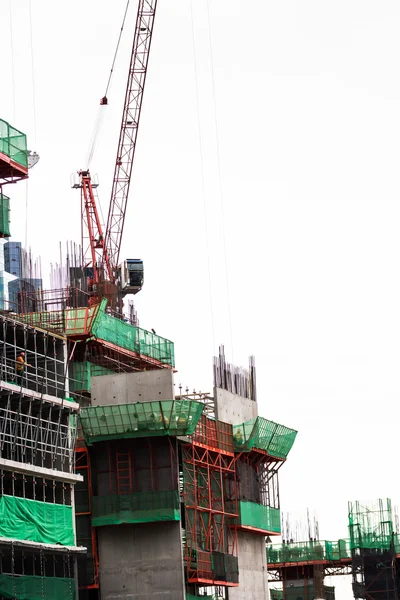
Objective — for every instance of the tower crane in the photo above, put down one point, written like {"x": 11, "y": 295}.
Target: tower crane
{"x": 101, "y": 248}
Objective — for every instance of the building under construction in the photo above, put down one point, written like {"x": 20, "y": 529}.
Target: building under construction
{"x": 370, "y": 555}
{"x": 112, "y": 486}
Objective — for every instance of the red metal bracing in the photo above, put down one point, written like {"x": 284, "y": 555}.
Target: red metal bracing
{"x": 210, "y": 499}
{"x": 11, "y": 171}
{"x": 82, "y": 465}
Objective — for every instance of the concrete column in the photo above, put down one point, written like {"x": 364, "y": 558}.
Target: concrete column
{"x": 252, "y": 568}
{"x": 141, "y": 561}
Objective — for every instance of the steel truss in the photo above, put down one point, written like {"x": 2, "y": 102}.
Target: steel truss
{"x": 210, "y": 499}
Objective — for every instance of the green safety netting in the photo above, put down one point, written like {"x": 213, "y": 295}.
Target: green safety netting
{"x": 192, "y": 597}
{"x": 135, "y": 339}
{"x": 371, "y": 526}
{"x": 24, "y": 519}
{"x": 301, "y": 592}
{"x": 13, "y": 143}
{"x": 140, "y": 507}
{"x": 4, "y": 215}
{"x": 308, "y": 551}
{"x": 258, "y": 516}
{"x": 277, "y": 440}
{"x": 78, "y": 320}
{"x": 142, "y": 419}
{"x": 81, "y": 373}
{"x": 32, "y": 587}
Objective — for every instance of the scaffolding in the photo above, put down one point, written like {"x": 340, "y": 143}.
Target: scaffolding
{"x": 258, "y": 493}
{"x": 44, "y": 371}
{"x": 274, "y": 439}
{"x": 136, "y": 482}
{"x": 142, "y": 419}
{"x": 373, "y": 541}
{"x": 210, "y": 501}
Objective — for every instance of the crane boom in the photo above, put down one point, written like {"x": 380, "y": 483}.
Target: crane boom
{"x": 128, "y": 134}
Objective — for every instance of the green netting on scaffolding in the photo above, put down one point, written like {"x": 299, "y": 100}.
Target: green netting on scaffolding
{"x": 4, "y": 215}
{"x": 13, "y": 143}
{"x": 371, "y": 526}
{"x": 192, "y": 597}
{"x": 79, "y": 320}
{"x": 32, "y": 587}
{"x": 308, "y": 551}
{"x": 24, "y": 519}
{"x": 142, "y": 419}
{"x": 277, "y": 440}
{"x": 139, "y": 507}
{"x": 81, "y": 374}
{"x": 301, "y": 592}
{"x": 258, "y": 516}
{"x": 135, "y": 339}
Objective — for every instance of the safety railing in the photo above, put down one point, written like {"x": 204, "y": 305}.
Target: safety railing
{"x": 309, "y": 552}
{"x": 45, "y": 442}
{"x": 13, "y": 143}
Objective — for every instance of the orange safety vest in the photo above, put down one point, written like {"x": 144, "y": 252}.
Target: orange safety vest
{"x": 20, "y": 364}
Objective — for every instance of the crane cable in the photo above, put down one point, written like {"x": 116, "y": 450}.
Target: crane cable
{"x": 220, "y": 178}
{"x": 104, "y": 100}
{"x": 34, "y": 116}
{"x": 203, "y": 179}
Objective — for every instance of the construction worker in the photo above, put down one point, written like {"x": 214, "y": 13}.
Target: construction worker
{"x": 19, "y": 367}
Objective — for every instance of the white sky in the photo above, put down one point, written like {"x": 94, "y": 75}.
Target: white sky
{"x": 307, "y": 95}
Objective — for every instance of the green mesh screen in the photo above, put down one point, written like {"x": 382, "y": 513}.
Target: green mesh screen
{"x": 266, "y": 435}
{"x": 13, "y": 143}
{"x": 142, "y": 419}
{"x": 371, "y": 526}
{"x": 259, "y": 516}
{"x": 31, "y": 587}
{"x": 140, "y": 507}
{"x": 308, "y": 551}
{"x": 115, "y": 331}
{"x": 301, "y": 592}
{"x": 24, "y": 519}
{"x": 81, "y": 373}
{"x": 4, "y": 215}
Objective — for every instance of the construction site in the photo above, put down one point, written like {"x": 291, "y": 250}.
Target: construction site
{"x": 112, "y": 484}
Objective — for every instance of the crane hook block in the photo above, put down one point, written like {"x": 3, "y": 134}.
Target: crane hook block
{"x": 103, "y": 101}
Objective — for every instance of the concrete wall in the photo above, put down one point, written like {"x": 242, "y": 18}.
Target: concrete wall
{"x": 141, "y": 561}
{"x": 252, "y": 568}
{"x": 126, "y": 388}
{"x": 233, "y": 409}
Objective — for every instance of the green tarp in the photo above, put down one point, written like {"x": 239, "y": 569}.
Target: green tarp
{"x": 24, "y": 519}
{"x": 140, "y": 507}
{"x": 30, "y": 587}
{"x": 142, "y": 419}
{"x": 258, "y": 516}
{"x": 277, "y": 440}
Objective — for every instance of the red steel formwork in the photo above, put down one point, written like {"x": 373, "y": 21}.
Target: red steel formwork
{"x": 210, "y": 499}
{"x": 83, "y": 513}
